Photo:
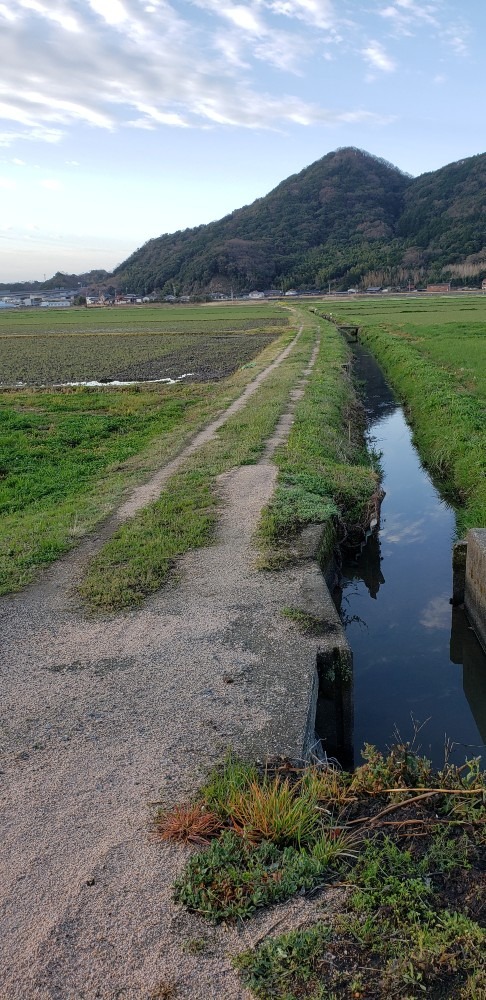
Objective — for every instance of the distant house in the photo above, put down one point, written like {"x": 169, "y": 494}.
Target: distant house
{"x": 483, "y": 284}
{"x": 373, "y": 289}
{"x": 443, "y": 287}
{"x": 56, "y": 303}
{"x": 291, "y": 291}
{"x": 256, "y": 295}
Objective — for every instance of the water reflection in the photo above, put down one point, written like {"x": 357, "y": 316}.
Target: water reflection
{"x": 407, "y": 641}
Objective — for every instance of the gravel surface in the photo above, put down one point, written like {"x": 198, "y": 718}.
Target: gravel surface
{"x": 104, "y": 716}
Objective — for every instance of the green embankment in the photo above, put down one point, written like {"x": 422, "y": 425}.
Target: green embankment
{"x": 434, "y": 354}
{"x": 325, "y": 474}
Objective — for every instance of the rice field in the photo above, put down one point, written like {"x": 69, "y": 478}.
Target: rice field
{"x": 44, "y": 347}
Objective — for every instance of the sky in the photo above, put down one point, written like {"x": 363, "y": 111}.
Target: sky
{"x": 124, "y": 119}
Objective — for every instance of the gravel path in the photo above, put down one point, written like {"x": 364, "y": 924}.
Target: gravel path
{"x": 103, "y": 716}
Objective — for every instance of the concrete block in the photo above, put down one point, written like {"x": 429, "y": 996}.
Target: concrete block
{"x": 475, "y": 585}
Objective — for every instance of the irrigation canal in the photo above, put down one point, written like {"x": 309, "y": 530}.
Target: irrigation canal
{"x": 417, "y": 663}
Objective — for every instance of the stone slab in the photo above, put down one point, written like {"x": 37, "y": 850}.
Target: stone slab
{"x": 475, "y": 584}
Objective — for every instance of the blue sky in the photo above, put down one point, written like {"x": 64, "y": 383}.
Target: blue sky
{"x": 124, "y": 119}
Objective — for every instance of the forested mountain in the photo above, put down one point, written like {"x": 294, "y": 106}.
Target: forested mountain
{"x": 350, "y": 219}
{"x": 339, "y": 203}
{"x": 60, "y": 280}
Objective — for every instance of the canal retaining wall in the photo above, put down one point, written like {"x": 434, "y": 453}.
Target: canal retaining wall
{"x": 469, "y": 579}
{"x": 475, "y": 582}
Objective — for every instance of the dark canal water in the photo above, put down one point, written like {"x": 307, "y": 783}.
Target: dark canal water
{"x": 417, "y": 662}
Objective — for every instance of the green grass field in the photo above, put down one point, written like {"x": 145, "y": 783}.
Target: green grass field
{"x": 68, "y": 455}
{"x": 434, "y": 353}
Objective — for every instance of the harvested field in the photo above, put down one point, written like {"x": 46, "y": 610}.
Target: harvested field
{"x": 130, "y": 345}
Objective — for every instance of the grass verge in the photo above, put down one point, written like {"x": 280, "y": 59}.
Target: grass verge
{"x": 401, "y": 845}
{"x": 138, "y": 558}
{"x": 435, "y": 362}
{"x": 325, "y": 474}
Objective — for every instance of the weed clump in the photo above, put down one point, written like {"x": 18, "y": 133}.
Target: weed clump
{"x": 402, "y": 843}
{"x": 234, "y": 877}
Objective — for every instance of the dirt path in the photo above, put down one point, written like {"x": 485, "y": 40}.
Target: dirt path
{"x": 103, "y": 716}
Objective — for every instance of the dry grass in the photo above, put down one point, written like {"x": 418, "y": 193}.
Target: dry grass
{"x": 187, "y": 823}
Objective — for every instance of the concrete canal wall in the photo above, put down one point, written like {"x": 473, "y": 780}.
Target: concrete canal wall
{"x": 469, "y": 579}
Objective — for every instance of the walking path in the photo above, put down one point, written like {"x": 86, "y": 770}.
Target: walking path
{"x": 104, "y": 716}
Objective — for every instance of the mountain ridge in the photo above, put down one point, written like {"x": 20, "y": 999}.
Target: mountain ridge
{"x": 348, "y": 219}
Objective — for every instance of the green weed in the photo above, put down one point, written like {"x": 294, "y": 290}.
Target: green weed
{"x": 232, "y": 878}
{"x": 289, "y": 966}
{"x": 305, "y": 622}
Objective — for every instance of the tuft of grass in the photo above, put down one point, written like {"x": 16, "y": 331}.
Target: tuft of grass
{"x": 226, "y": 782}
{"x": 276, "y": 811}
{"x": 305, "y": 622}
{"x": 188, "y": 823}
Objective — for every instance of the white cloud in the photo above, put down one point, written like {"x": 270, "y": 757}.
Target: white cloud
{"x": 408, "y": 17}
{"x": 6, "y": 13}
{"x": 50, "y": 184}
{"x": 317, "y": 13}
{"x": 375, "y": 54}
{"x": 436, "y": 614}
{"x": 243, "y": 17}
{"x": 112, "y": 11}
{"x": 169, "y": 64}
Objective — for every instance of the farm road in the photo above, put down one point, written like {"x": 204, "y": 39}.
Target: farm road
{"x": 102, "y": 716}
